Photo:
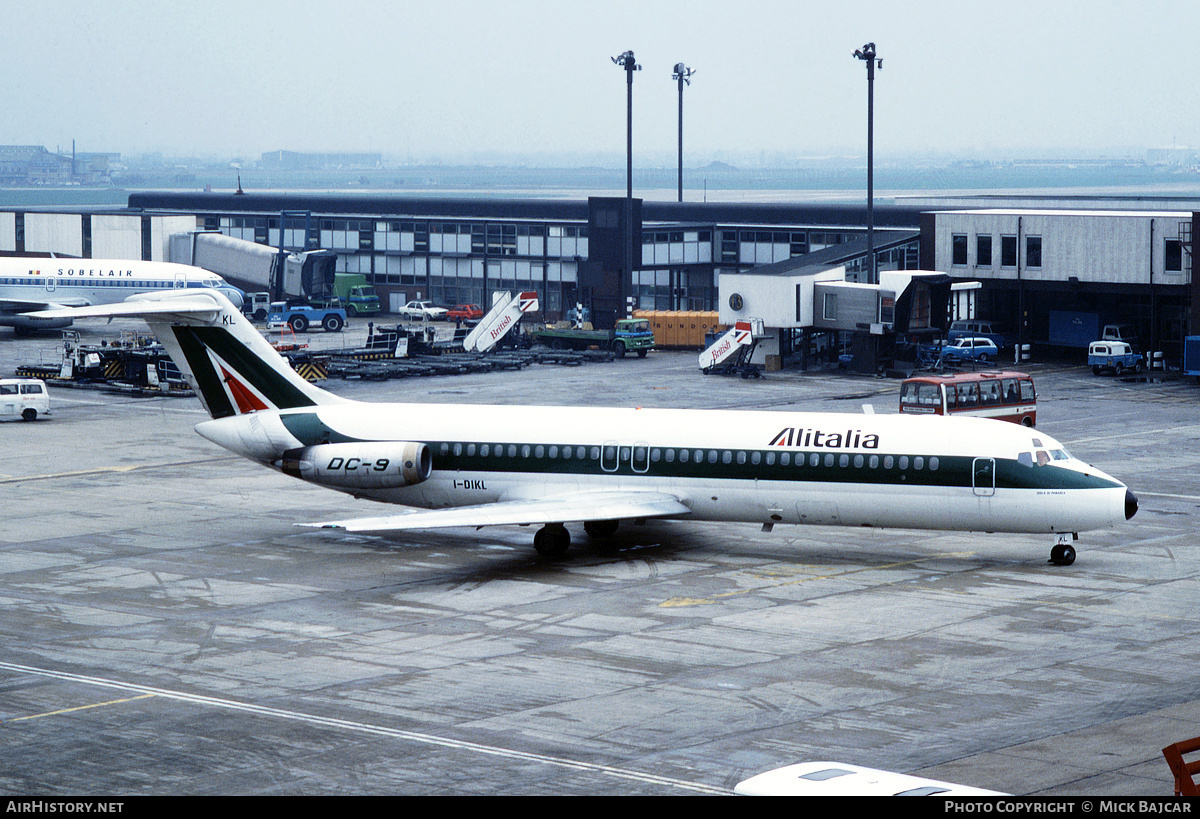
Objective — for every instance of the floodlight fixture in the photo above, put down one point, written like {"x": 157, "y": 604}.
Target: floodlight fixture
{"x": 682, "y": 74}
{"x": 868, "y": 55}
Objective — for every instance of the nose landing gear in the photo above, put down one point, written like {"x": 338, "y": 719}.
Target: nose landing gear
{"x": 1063, "y": 553}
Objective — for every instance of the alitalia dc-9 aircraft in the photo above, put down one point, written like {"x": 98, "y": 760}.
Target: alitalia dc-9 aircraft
{"x": 473, "y": 465}
{"x": 45, "y": 283}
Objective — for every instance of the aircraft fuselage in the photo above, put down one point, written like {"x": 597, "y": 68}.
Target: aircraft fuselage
{"x": 752, "y": 466}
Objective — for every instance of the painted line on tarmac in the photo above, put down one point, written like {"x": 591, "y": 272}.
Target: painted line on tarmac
{"x": 366, "y": 728}
{"x": 1134, "y": 433}
{"x": 109, "y": 470}
{"x": 80, "y": 708}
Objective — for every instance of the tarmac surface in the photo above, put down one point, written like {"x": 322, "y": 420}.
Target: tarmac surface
{"x": 168, "y": 629}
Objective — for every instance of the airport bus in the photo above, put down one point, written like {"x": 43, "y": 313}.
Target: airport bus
{"x": 1007, "y": 396}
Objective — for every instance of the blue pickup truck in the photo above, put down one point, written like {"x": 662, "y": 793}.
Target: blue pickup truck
{"x": 302, "y": 316}
{"x": 1115, "y": 357}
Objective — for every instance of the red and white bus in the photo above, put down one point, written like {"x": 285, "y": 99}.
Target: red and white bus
{"x": 1007, "y": 396}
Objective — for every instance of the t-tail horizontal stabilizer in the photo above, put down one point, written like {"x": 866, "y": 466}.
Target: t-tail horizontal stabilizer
{"x": 225, "y": 359}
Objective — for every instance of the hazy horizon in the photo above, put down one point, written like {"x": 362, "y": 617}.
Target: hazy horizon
{"x": 468, "y": 81}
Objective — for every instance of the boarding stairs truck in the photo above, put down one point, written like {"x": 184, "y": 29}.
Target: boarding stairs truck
{"x": 497, "y": 322}
{"x": 730, "y": 354}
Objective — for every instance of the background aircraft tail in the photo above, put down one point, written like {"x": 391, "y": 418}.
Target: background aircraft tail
{"x": 225, "y": 359}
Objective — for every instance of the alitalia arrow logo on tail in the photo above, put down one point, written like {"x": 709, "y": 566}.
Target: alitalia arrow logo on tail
{"x": 243, "y": 396}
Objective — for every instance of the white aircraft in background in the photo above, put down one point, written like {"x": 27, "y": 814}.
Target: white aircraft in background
{"x": 472, "y": 465}
{"x": 44, "y": 283}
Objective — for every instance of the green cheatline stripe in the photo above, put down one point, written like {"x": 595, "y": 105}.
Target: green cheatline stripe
{"x": 511, "y": 456}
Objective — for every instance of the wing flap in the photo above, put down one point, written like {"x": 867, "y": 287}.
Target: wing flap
{"x": 578, "y": 506}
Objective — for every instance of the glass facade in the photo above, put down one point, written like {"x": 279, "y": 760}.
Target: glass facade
{"x": 466, "y": 260}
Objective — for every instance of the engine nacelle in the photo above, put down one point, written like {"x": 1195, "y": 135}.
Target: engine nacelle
{"x": 373, "y": 465}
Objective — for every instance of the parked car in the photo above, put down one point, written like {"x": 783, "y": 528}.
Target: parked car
{"x": 24, "y": 398}
{"x": 1120, "y": 332}
{"x": 979, "y": 328}
{"x": 465, "y": 312}
{"x": 1113, "y": 356}
{"x": 423, "y": 311}
{"x": 967, "y": 348}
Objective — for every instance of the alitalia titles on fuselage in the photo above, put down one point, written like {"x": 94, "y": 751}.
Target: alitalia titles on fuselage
{"x": 804, "y": 437}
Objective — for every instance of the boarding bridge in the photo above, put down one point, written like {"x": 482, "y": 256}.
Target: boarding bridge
{"x": 731, "y": 352}
{"x": 504, "y": 315}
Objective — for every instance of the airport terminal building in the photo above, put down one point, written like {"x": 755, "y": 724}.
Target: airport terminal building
{"x": 1036, "y": 260}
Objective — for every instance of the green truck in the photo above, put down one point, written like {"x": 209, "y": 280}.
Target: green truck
{"x": 630, "y": 335}
{"x": 355, "y": 295}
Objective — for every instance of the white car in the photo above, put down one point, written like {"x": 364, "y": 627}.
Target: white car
{"x": 838, "y": 779}
{"x": 423, "y": 311}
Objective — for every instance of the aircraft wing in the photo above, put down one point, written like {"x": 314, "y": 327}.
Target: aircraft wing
{"x": 133, "y": 307}
{"x": 554, "y": 509}
{"x": 23, "y": 306}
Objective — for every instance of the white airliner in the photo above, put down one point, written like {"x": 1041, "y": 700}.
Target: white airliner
{"x": 470, "y": 465}
{"x": 46, "y": 283}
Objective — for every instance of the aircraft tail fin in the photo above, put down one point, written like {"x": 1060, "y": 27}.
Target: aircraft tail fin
{"x": 225, "y": 359}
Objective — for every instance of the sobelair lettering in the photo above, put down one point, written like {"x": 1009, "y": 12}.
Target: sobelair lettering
{"x": 71, "y": 271}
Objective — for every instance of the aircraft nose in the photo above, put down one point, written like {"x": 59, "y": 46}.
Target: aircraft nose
{"x": 234, "y": 296}
{"x": 1131, "y": 504}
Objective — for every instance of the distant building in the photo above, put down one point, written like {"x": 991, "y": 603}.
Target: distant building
{"x": 33, "y": 165}
{"x": 293, "y": 161}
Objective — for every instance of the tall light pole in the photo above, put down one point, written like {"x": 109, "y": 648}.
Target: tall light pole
{"x": 629, "y": 63}
{"x": 867, "y": 54}
{"x": 682, "y": 75}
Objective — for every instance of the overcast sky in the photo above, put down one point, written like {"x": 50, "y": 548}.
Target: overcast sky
{"x": 457, "y": 79}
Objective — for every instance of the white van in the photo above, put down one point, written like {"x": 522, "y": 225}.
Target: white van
{"x": 24, "y": 398}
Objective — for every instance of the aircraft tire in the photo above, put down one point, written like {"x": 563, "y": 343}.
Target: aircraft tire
{"x": 552, "y": 540}
{"x": 1062, "y": 555}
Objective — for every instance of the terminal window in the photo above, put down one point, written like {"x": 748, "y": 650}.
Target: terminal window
{"x": 958, "y": 245}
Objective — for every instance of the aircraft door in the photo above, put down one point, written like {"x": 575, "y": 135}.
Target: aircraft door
{"x": 610, "y": 456}
{"x": 640, "y": 457}
{"x": 983, "y": 477}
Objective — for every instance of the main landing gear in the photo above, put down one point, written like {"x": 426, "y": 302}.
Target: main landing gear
{"x": 553, "y": 539}
{"x": 1063, "y": 553}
